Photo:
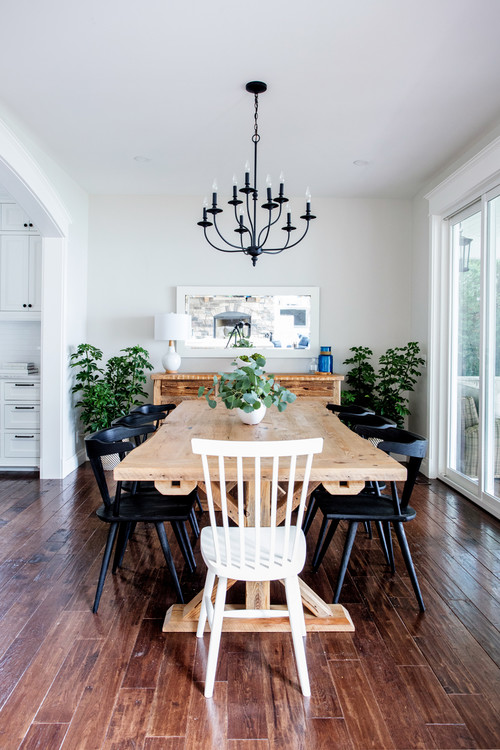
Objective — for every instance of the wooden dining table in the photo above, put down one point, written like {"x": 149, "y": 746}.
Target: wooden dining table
{"x": 346, "y": 463}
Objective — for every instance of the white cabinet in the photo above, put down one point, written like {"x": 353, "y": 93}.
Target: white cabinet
{"x": 20, "y": 273}
{"x": 14, "y": 218}
{"x": 19, "y": 422}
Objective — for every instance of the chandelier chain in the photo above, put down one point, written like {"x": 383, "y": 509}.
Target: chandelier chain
{"x": 256, "y": 136}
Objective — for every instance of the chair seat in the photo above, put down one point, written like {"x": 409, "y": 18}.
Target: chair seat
{"x": 149, "y": 508}
{"x": 363, "y": 506}
{"x": 279, "y": 568}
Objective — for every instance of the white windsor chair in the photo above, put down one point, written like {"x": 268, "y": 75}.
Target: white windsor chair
{"x": 255, "y": 552}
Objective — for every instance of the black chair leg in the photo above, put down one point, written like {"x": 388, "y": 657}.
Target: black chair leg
{"x": 322, "y": 546}
{"x": 312, "y": 507}
{"x": 368, "y": 529}
{"x": 403, "y": 543}
{"x": 194, "y": 523}
{"x": 383, "y": 543}
{"x": 351, "y": 534}
{"x": 104, "y": 565}
{"x": 388, "y": 539}
{"x": 121, "y": 545}
{"x": 184, "y": 544}
{"x": 198, "y": 502}
{"x": 162, "y": 536}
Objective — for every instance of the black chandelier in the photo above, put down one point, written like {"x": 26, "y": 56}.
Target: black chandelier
{"x": 246, "y": 216}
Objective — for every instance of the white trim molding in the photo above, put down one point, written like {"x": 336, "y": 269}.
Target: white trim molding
{"x": 465, "y": 186}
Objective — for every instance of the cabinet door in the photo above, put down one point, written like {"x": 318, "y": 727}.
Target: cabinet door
{"x": 15, "y": 219}
{"x": 35, "y": 274}
{"x": 14, "y": 273}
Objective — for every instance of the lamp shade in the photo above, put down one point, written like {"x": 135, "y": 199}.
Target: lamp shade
{"x": 172, "y": 326}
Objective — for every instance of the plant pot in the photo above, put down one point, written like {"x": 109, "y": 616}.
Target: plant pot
{"x": 252, "y": 417}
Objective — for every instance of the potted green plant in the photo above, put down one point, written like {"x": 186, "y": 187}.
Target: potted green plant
{"x": 387, "y": 391}
{"x": 249, "y": 389}
{"x": 106, "y": 393}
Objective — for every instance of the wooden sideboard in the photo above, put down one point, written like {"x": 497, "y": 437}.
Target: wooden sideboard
{"x": 174, "y": 387}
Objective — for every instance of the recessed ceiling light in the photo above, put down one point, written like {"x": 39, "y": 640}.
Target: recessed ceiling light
{"x": 142, "y": 159}
{"x": 360, "y": 163}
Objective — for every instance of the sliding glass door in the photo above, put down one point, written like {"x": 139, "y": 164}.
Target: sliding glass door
{"x": 473, "y": 453}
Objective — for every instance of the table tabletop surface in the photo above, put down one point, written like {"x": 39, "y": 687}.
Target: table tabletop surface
{"x": 167, "y": 454}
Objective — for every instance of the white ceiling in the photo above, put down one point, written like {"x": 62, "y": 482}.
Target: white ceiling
{"x": 404, "y": 85}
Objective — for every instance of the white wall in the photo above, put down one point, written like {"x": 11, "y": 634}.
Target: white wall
{"x": 59, "y": 208}
{"x": 358, "y": 252}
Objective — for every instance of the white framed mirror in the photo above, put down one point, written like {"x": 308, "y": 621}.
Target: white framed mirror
{"x": 275, "y": 321}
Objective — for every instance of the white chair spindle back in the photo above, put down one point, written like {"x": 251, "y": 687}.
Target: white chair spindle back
{"x": 262, "y": 554}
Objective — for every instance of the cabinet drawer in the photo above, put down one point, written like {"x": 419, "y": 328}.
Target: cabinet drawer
{"x": 21, "y": 444}
{"x": 21, "y": 416}
{"x": 19, "y": 390}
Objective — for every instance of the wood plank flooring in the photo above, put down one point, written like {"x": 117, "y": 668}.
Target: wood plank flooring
{"x": 113, "y": 681}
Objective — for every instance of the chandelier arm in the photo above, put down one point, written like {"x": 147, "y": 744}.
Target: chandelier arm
{"x": 286, "y": 246}
{"x": 221, "y": 249}
{"x": 220, "y": 235}
{"x": 266, "y": 230}
{"x": 269, "y": 225}
{"x": 249, "y": 216}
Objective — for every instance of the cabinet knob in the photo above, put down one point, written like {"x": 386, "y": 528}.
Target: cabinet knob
{"x": 30, "y": 305}
{"x": 30, "y": 224}
{"x": 25, "y": 305}
{"x": 25, "y": 225}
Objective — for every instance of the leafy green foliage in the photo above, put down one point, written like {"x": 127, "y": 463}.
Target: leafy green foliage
{"x": 361, "y": 377}
{"x": 108, "y": 392}
{"x": 247, "y": 387}
{"x": 387, "y": 392}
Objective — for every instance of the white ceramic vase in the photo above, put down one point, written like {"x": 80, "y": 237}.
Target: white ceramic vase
{"x": 252, "y": 417}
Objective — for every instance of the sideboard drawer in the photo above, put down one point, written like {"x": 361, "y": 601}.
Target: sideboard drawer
{"x": 19, "y": 390}
{"x": 21, "y": 444}
{"x": 182, "y": 389}
{"x": 21, "y": 416}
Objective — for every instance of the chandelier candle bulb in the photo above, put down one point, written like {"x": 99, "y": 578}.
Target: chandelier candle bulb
{"x": 247, "y": 174}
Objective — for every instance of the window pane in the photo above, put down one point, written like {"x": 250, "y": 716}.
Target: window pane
{"x": 466, "y": 262}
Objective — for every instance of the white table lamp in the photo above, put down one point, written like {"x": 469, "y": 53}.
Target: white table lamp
{"x": 172, "y": 327}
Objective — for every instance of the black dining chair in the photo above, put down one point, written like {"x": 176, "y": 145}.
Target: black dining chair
{"x": 128, "y": 508}
{"x": 372, "y": 420}
{"x": 390, "y": 510}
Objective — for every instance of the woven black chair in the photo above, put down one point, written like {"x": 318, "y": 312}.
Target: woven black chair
{"x": 375, "y": 507}
{"x": 129, "y": 508}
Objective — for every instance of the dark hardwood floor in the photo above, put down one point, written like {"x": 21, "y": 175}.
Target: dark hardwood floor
{"x": 70, "y": 679}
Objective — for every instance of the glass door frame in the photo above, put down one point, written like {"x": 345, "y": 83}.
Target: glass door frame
{"x": 476, "y": 180}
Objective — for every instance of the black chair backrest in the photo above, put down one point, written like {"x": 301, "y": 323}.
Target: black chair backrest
{"x": 403, "y": 443}
{"x": 105, "y": 443}
{"x": 153, "y": 409}
{"x": 137, "y": 419}
{"x": 349, "y": 410}
{"x": 371, "y": 420}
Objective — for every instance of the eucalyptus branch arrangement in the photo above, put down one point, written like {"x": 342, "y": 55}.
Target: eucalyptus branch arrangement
{"x": 247, "y": 387}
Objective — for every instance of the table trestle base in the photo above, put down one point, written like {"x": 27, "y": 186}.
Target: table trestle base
{"x": 337, "y": 621}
